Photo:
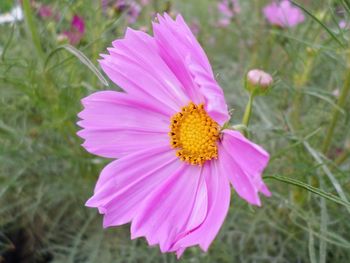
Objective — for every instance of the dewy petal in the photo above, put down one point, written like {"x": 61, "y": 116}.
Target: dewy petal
{"x": 125, "y": 183}
{"x": 116, "y": 124}
{"x": 166, "y": 214}
{"x": 218, "y": 198}
{"x": 185, "y": 57}
{"x": 135, "y": 65}
{"x": 244, "y": 163}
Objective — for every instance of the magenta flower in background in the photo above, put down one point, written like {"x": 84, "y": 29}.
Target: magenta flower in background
{"x": 77, "y": 30}
{"x": 78, "y": 24}
{"x": 227, "y": 10}
{"x": 283, "y": 14}
{"x": 174, "y": 159}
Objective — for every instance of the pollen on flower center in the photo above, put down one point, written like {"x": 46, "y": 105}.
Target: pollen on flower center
{"x": 195, "y": 134}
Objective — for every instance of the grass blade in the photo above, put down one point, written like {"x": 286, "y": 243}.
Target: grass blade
{"x": 83, "y": 59}
{"x": 320, "y": 22}
{"x": 309, "y": 188}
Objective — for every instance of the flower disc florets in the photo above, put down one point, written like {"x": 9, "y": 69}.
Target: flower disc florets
{"x": 195, "y": 133}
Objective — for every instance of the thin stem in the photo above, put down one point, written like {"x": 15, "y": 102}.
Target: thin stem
{"x": 335, "y": 116}
{"x": 248, "y": 112}
{"x": 31, "y": 28}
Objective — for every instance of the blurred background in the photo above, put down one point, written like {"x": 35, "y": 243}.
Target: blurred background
{"x": 48, "y": 63}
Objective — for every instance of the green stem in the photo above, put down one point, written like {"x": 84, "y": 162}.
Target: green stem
{"x": 31, "y": 28}
{"x": 248, "y": 111}
{"x": 335, "y": 116}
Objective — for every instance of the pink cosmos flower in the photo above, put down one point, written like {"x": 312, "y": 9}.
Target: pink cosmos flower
{"x": 175, "y": 160}
{"x": 227, "y": 10}
{"x": 77, "y": 30}
{"x": 283, "y": 14}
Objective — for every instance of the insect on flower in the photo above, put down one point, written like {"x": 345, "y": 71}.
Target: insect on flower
{"x": 175, "y": 162}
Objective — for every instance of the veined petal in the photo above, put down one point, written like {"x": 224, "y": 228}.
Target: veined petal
{"x": 123, "y": 186}
{"x": 136, "y": 66}
{"x": 213, "y": 95}
{"x": 244, "y": 163}
{"x": 167, "y": 212}
{"x": 183, "y": 54}
{"x": 218, "y": 202}
{"x": 115, "y": 124}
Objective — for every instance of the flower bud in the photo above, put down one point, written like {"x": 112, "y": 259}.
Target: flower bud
{"x": 258, "y": 81}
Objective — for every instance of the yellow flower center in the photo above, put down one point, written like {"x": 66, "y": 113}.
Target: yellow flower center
{"x": 195, "y": 134}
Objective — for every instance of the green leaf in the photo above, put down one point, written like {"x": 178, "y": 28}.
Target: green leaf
{"x": 309, "y": 188}
{"x": 319, "y": 22}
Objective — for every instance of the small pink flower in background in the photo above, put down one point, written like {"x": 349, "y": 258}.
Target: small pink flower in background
{"x": 77, "y": 30}
{"x": 174, "y": 164}
{"x": 343, "y": 24}
{"x": 131, "y": 8}
{"x": 227, "y": 10}
{"x": 145, "y": 2}
{"x": 121, "y": 5}
{"x": 195, "y": 27}
{"x": 336, "y": 93}
{"x": 133, "y": 13}
{"x": 283, "y": 14}
{"x": 45, "y": 11}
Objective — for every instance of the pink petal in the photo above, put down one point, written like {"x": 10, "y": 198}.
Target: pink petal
{"x": 218, "y": 196}
{"x": 244, "y": 163}
{"x": 213, "y": 95}
{"x": 181, "y": 51}
{"x": 167, "y": 212}
{"x": 115, "y": 124}
{"x": 135, "y": 65}
{"x": 124, "y": 184}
